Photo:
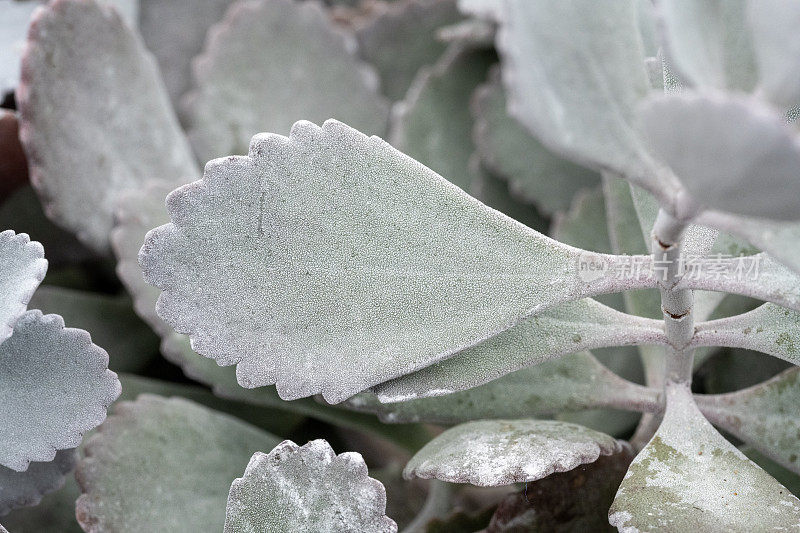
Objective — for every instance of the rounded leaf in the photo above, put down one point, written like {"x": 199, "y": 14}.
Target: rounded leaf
{"x": 54, "y": 386}
{"x": 307, "y": 488}
{"x": 23, "y": 489}
{"x": 95, "y": 119}
{"x": 491, "y": 453}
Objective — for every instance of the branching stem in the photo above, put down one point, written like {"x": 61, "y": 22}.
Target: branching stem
{"x": 676, "y": 303}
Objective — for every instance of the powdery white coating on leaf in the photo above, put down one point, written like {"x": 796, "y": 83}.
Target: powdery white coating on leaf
{"x": 307, "y": 488}
{"x": 689, "y": 478}
{"x": 578, "y": 102}
{"x": 54, "y": 386}
{"x": 769, "y": 329}
{"x": 509, "y": 151}
{"x": 766, "y": 416}
{"x": 408, "y": 28}
{"x": 709, "y": 42}
{"x": 162, "y": 464}
{"x": 732, "y": 153}
{"x": 492, "y": 453}
{"x": 570, "y": 383}
{"x": 330, "y": 262}
{"x": 89, "y": 83}
{"x": 571, "y": 327}
{"x": 24, "y": 489}
{"x": 270, "y": 63}
{"x": 22, "y": 267}
{"x": 776, "y": 41}
{"x": 175, "y": 33}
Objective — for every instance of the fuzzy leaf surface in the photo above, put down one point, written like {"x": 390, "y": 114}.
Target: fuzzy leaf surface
{"x": 689, "y": 477}
{"x": 570, "y": 383}
{"x": 307, "y": 488}
{"x": 492, "y": 453}
{"x": 568, "y": 328}
{"x": 89, "y": 87}
{"x": 331, "y": 223}
{"x": 764, "y": 416}
{"x": 23, "y": 267}
{"x": 249, "y": 78}
{"x": 162, "y": 464}
{"x": 732, "y": 153}
{"x": 54, "y": 386}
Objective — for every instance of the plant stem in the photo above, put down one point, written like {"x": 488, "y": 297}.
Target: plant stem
{"x": 676, "y": 304}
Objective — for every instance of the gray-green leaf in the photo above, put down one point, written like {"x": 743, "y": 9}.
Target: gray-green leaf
{"x": 764, "y": 416}
{"x": 689, "y": 478}
{"x": 269, "y": 64}
{"x": 24, "y": 489}
{"x": 54, "y": 386}
{"x": 94, "y": 116}
{"x": 323, "y": 251}
{"x": 570, "y": 383}
{"x": 162, "y": 464}
{"x": 491, "y": 453}
{"x": 307, "y": 488}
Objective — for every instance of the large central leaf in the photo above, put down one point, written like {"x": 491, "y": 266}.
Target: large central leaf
{"x": 330, "y": 262}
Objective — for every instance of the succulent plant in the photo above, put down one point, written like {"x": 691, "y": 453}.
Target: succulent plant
{"x": 557, "y": 270}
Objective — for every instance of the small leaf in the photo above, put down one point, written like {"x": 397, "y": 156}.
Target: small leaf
{"x": 54, "y": 386}
{"x": 491, "y": 453}
{"x": 330, "y": 223}
{"x": 307, "y": 488}
{"x": 709, "y": 42}
{"x": 433, "y": 123}
{"x": 777, "y": 48}
{"x": 568, "y": 328}
{"x": 764, "y": 416}
{"x": 509, "y": 151}
{"x": 24, "y": 489}
{"x": 579, "y": 103}
{"x": 570, "y": 383}
{"x": 88, "y": 82}
{"x": 162, "y": 464}
{"x": 175, "y": 33}
{"x": 689, "y": 477}
{"x": 731, "y": 153}
{"x": 23, "y": 267}
{"x": 264, "y": 67}
{"x": 410, "y": 26}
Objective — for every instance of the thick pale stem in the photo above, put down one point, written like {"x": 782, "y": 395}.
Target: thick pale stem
{"x": 676, "y": 303}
